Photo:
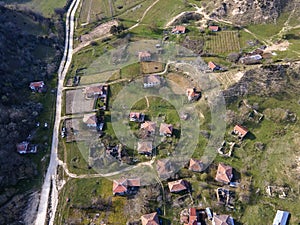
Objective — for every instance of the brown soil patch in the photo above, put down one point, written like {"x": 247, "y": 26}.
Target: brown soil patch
{"x": 152, "y": 67}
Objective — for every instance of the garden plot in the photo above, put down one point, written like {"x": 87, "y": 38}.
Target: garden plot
{"x": 222, "y": 42}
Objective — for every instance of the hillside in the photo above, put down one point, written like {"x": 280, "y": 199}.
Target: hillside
{"x": 267, "y": 81}
{"x": 29, "y": 51}
{"x": 248, "y": 11}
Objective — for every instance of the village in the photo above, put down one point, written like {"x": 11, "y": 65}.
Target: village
{"x": 106, "y": 150}
{"x": 157, "y": 128}
{"x": 143, "y": 112}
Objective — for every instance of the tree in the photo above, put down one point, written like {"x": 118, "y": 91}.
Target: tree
{"x": 114, "y": 30}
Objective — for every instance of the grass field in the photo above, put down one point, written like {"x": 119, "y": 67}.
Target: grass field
{"x": 96, "y": 10}
{"x": 131, "y": 16}
{"x": 222, "y": 42}
{"x": 93, "y": 10}
{"x": 266, "y": 31}
{"x": 163, "y": 11}
{"x": 84, "y": 192}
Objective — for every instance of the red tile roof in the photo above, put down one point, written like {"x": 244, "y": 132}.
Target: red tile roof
{"x": 224, "y": 173}
{"x": 144, "y": 56}
{"x": 166, "y": 129}
{"x": 90, "y": 119}
{"x": 38, "y": 84}
{"x": 196, "y": 165}
{"x": 222, "y": 220}
{"x": 134, "y": 182}
{"x": 94, "y": 90}
{"x": 144, "y": 147}
{"x": 213, "y": 28}
{"x": 22, "y": 147}
{"x": 212, "y": 65}
{"x": 149, "y": 126}
{"x": 177, "y": 186}
{"x": 180, "y": 29}
{"x": 135, "y": 115}
{"x": 164, "y": 168}
{"x": 240, "y": 130}
{"x": 150, "y": 219}
{"x": 120, "y": 186}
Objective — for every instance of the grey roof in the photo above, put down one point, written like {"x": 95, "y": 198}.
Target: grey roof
{"x": 281, "y": 217}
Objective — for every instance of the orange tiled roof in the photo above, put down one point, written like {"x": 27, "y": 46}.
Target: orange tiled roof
{"x": 179, "y": 29}
{"x": 153, "y": 79}
{"x": 213, "y": 28}
{"x": 222, "y": 220}
{"x": 90, "y": 119}
{"x": 121, "y": 185}
{"x": 241, "y": 130}
{"x": 212, "y": 65}
{"x": 176, "y": 186}
{"x": 134, "y": 115}
{"x": 166, "y": 128}
{"x": 38, "y": 84}
{"x": 164, "y": 167}
{"x": 196, "y": 165}
{"x": 94, "y": 89}
{"x": 144, "y": 147}
{"x": 148, "y": 126}
{"x": 150, "y": 219}
{"x": 224, "y": 173}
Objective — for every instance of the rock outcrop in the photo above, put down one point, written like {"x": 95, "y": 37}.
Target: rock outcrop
{"x": 253, "y": 11}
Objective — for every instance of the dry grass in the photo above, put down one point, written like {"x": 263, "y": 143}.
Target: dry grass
{"x": 152, "y": 67}
{"x": 99, "y": 77}
{"x": 77, "y": 103}
{"x": 178, "y": 83}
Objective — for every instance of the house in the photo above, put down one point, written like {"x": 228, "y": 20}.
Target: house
{"x": 178, "y": 186}
{"x": 90, "y": 120}
{"x": 37, "y": 86}
{"x": 22, "y": 147}
{"x": 222, "y": 220}
{"x": 125, "y": 186}
{"x": 149, "y": 127}
{"x": 152, "y": 81}
{"x": 96, "y": 91}
{"x": 240, "y": 131}
{"x": 192, "y": 94}
{"x": 252, "y": 59}
{"x": 25, "y": 148}
{"x": 165, "y": 129}
{"x": 145, "y": 147}
{"x": 281, "y": 217}
{"x": 196, "y": 165}
{"x": 192, "y": 216}
{"x": 214, "y": 28}
{"x": 213, "y": 66}
{"x": 136, "y": 117}
{"x": 144, "y": 56}
{"x": 178, "y": 30}
{"x": 164, "y": 168}
{"x": 224, "y": 173}
{"x": 150, "y": 219}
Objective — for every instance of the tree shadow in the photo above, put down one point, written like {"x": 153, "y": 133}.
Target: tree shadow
{"x": 250, "y": 136}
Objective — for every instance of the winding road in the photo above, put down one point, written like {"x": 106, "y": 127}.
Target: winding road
{"x": 49, "y": 184}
